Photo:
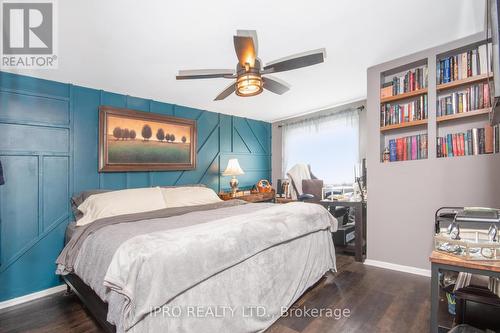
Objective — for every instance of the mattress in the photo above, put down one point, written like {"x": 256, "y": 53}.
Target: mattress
{"x": 270, "y": 279}
{"x": 70, "y": 231}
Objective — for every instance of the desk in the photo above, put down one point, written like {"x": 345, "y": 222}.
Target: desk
{"x": 441, "y": 261}
{"x": 359, "y": 246}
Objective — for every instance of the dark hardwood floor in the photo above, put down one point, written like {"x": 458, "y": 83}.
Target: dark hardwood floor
{"x": 379, "y": 300}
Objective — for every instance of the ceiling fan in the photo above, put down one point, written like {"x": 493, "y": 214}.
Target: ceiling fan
{"x": 249, "y": 73}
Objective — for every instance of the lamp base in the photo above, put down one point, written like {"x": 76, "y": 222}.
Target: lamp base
{"x": 234, "y": 186}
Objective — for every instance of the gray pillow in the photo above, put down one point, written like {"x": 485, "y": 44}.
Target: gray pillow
{"x": 312, "y": 186}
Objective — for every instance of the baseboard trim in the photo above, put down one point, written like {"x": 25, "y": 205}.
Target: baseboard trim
{"x": 31, "y": 297}
{"x": 400, "y": 268}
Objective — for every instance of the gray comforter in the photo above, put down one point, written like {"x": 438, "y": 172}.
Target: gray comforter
{"x": 68, "y": 255}
{"x": 130, "y": 265}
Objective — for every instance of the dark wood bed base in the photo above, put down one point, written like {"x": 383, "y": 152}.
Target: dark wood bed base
{"x": 94, "y": 304}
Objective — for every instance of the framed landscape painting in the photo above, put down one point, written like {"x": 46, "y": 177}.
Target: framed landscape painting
{"x": 140, "y": 141}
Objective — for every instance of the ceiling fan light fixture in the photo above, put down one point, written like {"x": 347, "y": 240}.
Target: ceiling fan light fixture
{"x": 251, "y": 77}
{"x": 249, "y": 84}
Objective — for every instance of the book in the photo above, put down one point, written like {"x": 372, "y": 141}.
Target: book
{"x": 496, "y": 139}
{"x": 482, "y": 59}
{"x": 404, "y": 143}
{"x": 474, "y": 63}
{"x": 446, "y": 77}
{"x": 481, "y": 140}
{"x": 464, "y": 65}
{"x": 454, "y": 145}
{"x": 488, "y": 139}
{"x": 392, "y": 150}
{"x": 475, "y": 142}
{"x": 399, "y": 149}
{"x": 449, "y": 147}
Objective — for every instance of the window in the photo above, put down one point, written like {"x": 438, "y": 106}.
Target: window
{"x": 329, "y": 144}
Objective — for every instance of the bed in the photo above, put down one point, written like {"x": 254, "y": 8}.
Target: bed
{"x": 222, "y": 266}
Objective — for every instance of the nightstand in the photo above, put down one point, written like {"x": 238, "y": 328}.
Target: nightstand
{"x": 252, "y": 197}
{"x": 280, "y": 200}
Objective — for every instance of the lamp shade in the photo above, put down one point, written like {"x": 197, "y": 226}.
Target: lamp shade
{"x": 233, "y": 168}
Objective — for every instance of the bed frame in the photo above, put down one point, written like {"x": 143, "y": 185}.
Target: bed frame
{"x": 94, "y": 304}
{"x": 99, "y": 309}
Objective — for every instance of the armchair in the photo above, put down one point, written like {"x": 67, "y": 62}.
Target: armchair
{"x": 307, "y": 187}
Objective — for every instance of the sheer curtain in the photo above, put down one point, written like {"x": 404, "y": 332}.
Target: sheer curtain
{"x": 329, "y": 144}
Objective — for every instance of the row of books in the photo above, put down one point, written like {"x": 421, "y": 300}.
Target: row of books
{"x": 464, "y": 65}
{"x": 391, "y": 114}
{"x": 475, "y": 141}
{"x": 475, "y": 97}
{"x": 410, "y": 81}
{"x": 408, "y": 148}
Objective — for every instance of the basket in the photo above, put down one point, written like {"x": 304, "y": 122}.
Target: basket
{"x": 472, "y": 245}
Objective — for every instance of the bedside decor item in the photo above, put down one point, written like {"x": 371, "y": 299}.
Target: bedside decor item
{"x": 249, "y": 196}
{"x": 387, "y": 155}
{"x": 282, "y": 188}
{"x": 233, "y": 169}
{"x": 142, "y": 141}
{"x": 264, "y": 186}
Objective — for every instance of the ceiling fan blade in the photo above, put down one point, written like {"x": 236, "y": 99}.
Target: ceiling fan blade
{"x": 245, "y": 50}
{"x": 275, "y": 85}
{"x": 250, "y": 33}
{"x": 295, "y": 61}
{"x": 205, "y": 74}
{"x": 226, "y": 92}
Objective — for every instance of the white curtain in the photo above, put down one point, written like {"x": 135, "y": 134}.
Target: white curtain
{"x": 329, "y": 144}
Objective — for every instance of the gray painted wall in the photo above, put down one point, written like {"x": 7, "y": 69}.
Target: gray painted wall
{"x": 277, "y": 135}
{"x": 403, "y": 196}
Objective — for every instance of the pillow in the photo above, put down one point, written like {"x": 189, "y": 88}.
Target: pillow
{"x": 187, "y": 185}
{"x": 312, "y": 186}
{"x": 189, "y": 196}
{"x": 79, "y": 198}
{"x": 122, "y": 202}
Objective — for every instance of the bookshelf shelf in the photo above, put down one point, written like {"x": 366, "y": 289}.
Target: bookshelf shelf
{"x": 464, "y": 133}
{"x": 463, "y": 115}
{"x": 404, "y": 95}
{"x": 404, "y": 125}
{"x": 467, "y": 81}
{"x": 404, "y": 116}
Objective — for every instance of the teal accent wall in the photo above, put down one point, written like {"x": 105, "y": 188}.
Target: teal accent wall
{"x": 48, "y": 148}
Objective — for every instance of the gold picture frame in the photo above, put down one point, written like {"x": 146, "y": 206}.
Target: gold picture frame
{"x": 132, "y": 140}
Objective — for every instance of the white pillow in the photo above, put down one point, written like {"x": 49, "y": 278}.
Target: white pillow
{"x": 189, "y": 196}
{"x": 122, "y": 202}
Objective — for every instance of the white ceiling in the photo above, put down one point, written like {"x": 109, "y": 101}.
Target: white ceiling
{"x": 136, "y": 47}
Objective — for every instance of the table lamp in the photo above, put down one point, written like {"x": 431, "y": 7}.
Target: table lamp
{"x": 233, "y": 169}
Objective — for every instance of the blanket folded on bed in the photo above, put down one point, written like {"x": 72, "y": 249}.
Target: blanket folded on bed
{"x": 67, "y": 257}
{"x": 149, "y": 270}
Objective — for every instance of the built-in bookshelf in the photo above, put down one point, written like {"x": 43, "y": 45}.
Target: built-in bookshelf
{"x": 463, "y": 102}
{"x": 460, "y": 109}
{"x": 404, "y": 112}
